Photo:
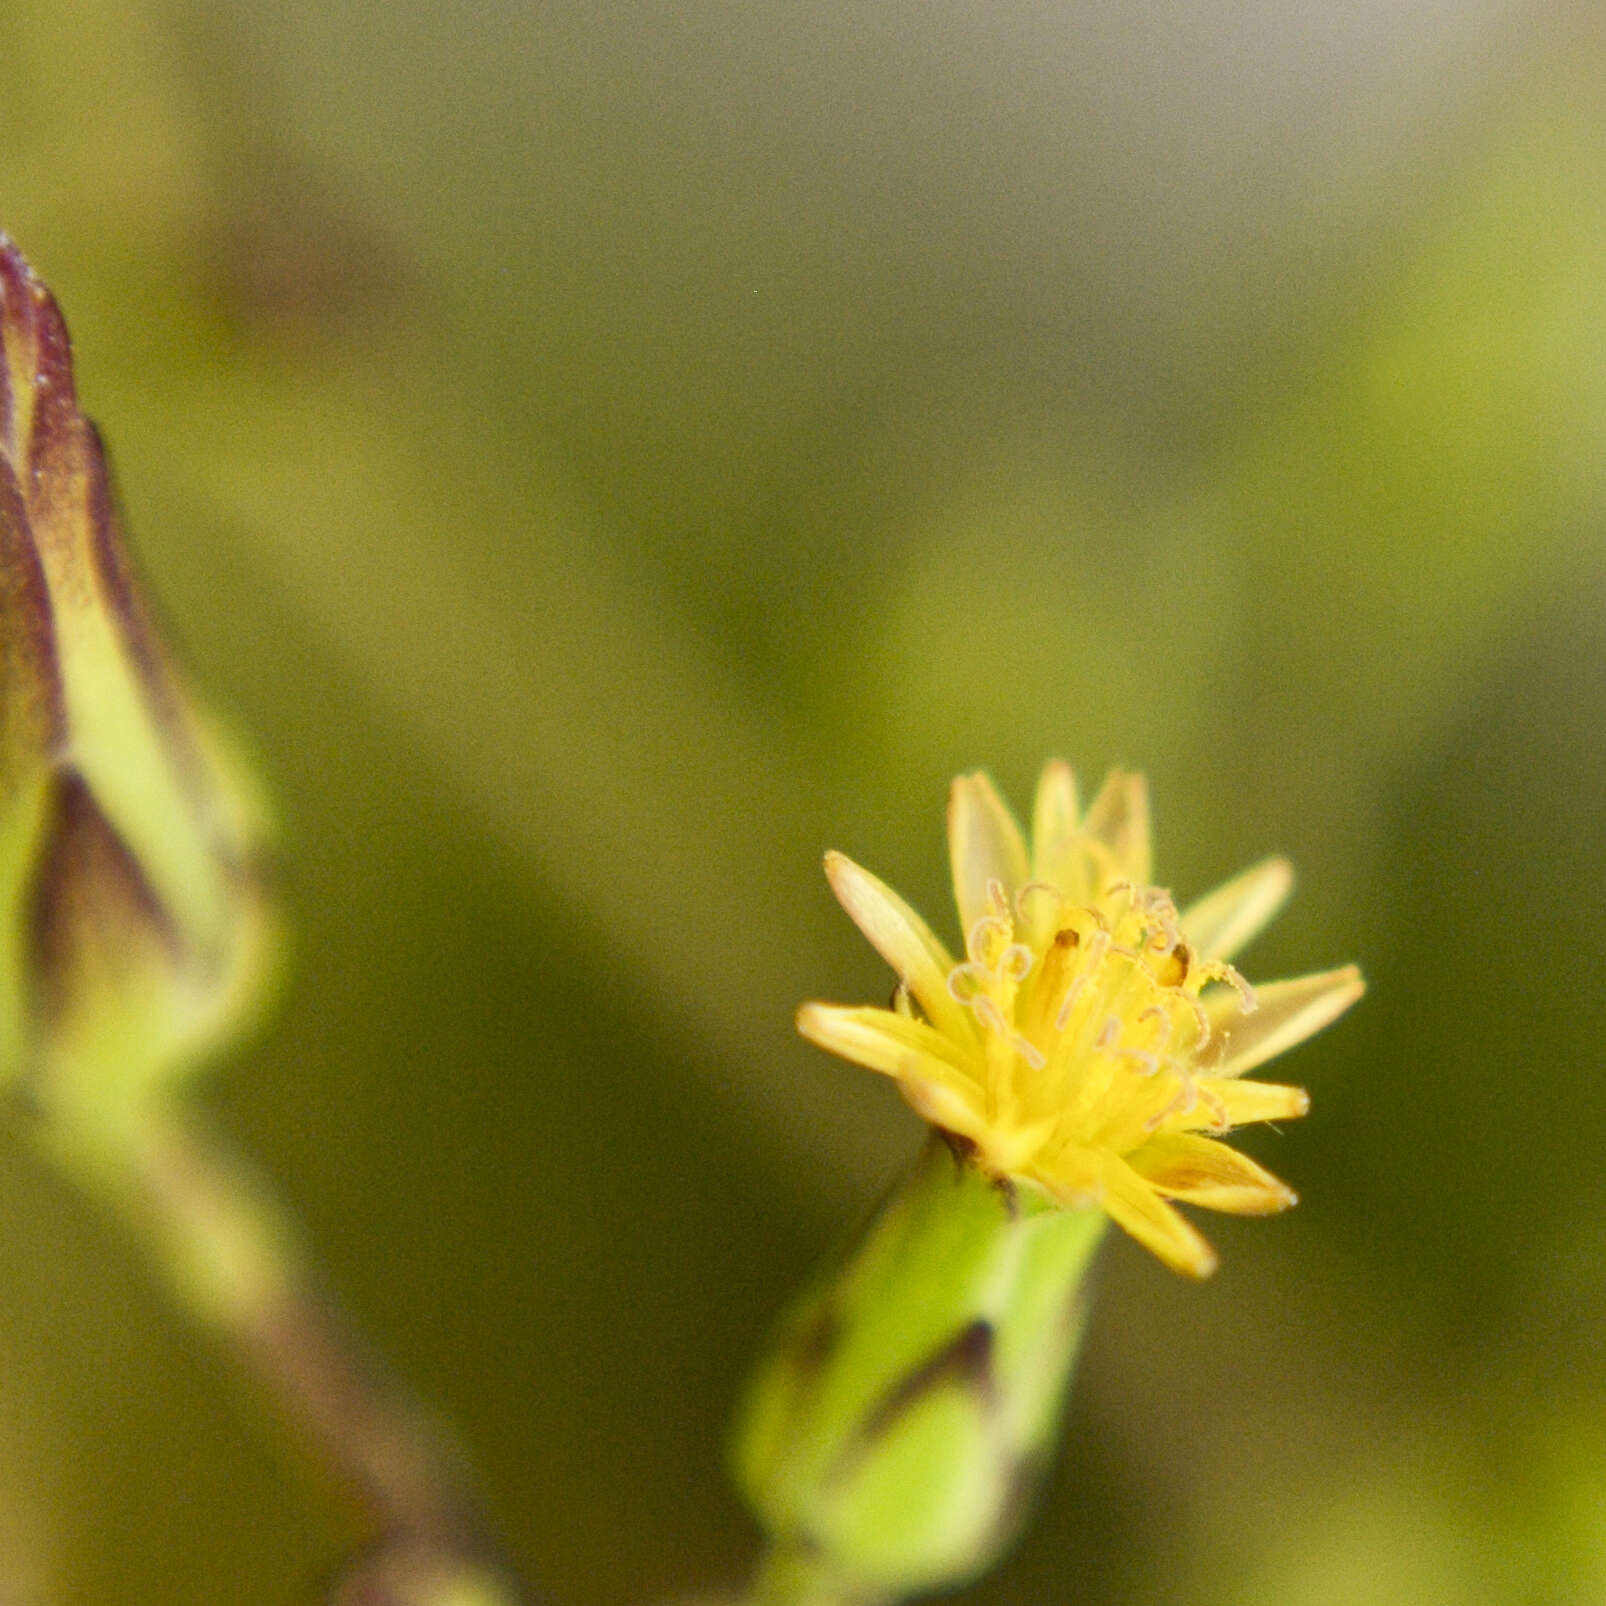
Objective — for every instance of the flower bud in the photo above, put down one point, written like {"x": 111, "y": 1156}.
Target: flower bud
{"x": 893, "y": 1435}
{"x": 133, "y": 923}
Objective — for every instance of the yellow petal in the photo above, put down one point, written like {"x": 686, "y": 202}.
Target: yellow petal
{"x": 1119, "y": 818}
{"x": 1225, "y": 1102}
{"x": 904, "y": 940}
{"x": 1133, "y": 1205}
{"x": 1009, "y": 1146}
{"x": 1054, "y": 822}
{"x": 944, "y": 1106}
{"x": 985, "y": 846}
{"x": 1226, "y": 920}
{"x": 1203, "y": 1172}
{"x": 1285, "y": 1013}
{"x": 892, "y": 1044}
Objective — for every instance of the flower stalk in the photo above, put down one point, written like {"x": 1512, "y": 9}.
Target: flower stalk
{"x": 234, "y": 1259}
{"x": 898, "y": 1427}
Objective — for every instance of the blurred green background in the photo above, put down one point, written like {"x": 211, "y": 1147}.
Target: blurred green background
{"x": 606, "y": 454}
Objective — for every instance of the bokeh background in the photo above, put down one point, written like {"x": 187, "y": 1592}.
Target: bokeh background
{"x": 605, "y": 454}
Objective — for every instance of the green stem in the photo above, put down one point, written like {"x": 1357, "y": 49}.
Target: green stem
{"x": 792, "y": 1578}
{"x": 234, "y": 1259}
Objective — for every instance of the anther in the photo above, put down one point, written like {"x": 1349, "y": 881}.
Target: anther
{"x": 1174, "y": 971}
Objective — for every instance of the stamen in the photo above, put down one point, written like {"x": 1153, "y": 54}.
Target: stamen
{"x": 1149, "y": 1062}
{"x": 1174, "y": 972}
{"x": 1040, "y": 888}
{"x": 1063, "y": 1018}
{"x": 1028, "y": 1051}
{"x": 1217, "y": 1108}
{"x": 989, "y": 1014}
{"x": 1110, "y": 1034}
{"x": 965, "y": 982}
{"x": 1246, "y": 993}
{"x": 998, "y": 897}
{"x": 988, "y": 927}
{"x": 1167, "y": 1024}
{"x": 1015, "y": 963}
{"x": 1186, "y": 1096}
{"x": 1168, "y": 920}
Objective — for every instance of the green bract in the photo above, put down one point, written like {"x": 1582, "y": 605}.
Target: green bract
{"x": 132, "y": 923}
{"x": 892, "y": 1437}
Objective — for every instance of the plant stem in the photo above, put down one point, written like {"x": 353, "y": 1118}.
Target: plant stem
{"x": 233, "y": 1257}
{"x": 792, "y": 1578}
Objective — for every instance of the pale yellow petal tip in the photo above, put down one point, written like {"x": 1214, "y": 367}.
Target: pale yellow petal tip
{"x": 809, "y": 1020}
{"x": 1057, "y": 786}
{"x": 1191, "y": 1255}
{"x": 1349, "y": 987}
{"x": 1118, "y": 817}
{"x": 844, "y": 877}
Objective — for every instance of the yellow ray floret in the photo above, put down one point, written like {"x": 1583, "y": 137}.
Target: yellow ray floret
{"x": 1092, "y": 1040}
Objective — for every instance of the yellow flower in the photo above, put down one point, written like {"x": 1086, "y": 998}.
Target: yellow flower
{"x": 1092, "y": 1041}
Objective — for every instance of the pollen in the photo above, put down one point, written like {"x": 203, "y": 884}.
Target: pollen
{"x": 1093, "y": 1040}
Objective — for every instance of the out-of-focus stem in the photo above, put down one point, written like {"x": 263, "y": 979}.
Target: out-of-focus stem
{"x": 788, "y": 1578}
{"x": 235, "y": 1260}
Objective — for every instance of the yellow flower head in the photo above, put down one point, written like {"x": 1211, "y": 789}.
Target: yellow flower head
{"x": 1092, "y": 1041}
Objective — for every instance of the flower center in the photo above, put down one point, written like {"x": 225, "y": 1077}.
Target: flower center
{"x": 1092, "y": 1029}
